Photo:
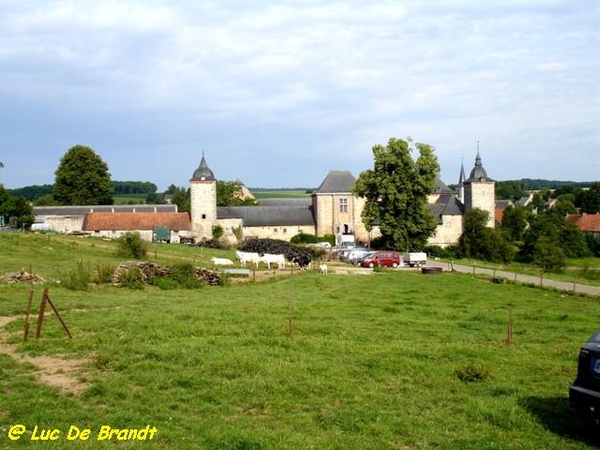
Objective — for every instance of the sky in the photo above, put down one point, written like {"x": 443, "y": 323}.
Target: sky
{"x": 277, "y": 94}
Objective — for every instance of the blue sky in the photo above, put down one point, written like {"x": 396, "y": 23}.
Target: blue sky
{"x": 278, "y": 93}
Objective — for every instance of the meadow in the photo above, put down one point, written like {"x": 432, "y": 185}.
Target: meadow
{"x": 390, "y": 360}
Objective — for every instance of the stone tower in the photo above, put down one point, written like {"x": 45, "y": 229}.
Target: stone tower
{"x": 479, "y": 191}
{"x": 203, "y": 201}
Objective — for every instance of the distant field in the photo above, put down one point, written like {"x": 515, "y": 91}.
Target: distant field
{"x": 387, "y": 360}
{"x": 280, "y": 194}
{"x": 292, "y": 193}
{"x": 130, "y": 198}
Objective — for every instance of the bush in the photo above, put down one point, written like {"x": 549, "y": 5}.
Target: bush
{"x": 217, "y": 232}
{"x": 472, "y": 373}
{"x": 304, "y": 238}
{"x": 435, "y": 251}
{"x": 131, "y": 245}
{"x": 78, "y": 279}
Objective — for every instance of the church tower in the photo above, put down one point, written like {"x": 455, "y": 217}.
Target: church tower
{"x": 479, "y": 191}
{"x": 203, "y": 193}
{"x": 460, "y": 189}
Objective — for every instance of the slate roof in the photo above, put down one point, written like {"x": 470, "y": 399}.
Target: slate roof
{"x": 441, "y": 187}
{"x": 82, "y": 210}
{"x": 123, "y": 221}
{"x": 446, "y": 205}
{"x": 478, "y": 173}
{"x": 337, "y": 182}
{"x": 203, "y": 172}
{"x": 262, "y": 216}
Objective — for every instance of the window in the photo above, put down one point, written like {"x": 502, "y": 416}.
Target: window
{"x": 204, "y": 216}
{"x": 343, "y": 205}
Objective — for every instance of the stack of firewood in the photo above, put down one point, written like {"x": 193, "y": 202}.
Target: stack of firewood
{"x": 23, "y": 277}
{"x": 147, "y": 272}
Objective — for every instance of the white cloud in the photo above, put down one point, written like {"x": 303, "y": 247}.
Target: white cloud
{"x": 314, "y": 78}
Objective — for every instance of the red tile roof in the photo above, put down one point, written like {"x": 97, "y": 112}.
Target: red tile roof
{"x": 136, "y": 221}
{"x": 589, "y": 223}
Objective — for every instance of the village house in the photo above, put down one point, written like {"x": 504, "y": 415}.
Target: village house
{"x": 331, "y": 209}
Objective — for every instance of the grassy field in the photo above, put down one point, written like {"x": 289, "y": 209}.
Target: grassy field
{"x": 283, "y": 193}
{"x": 580, "y": 270}
{"x": 390, "y": 360}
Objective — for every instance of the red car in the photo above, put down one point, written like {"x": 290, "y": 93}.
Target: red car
{"x": 382, "y": 258}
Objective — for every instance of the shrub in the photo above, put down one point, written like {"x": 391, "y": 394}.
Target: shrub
{"x": 78, "y": 279}
{"x": 472, "y": 373}
{"x": 104, "y": 273}
{"x": 304, "y": 238}
{"x": 217, "y": 232}
{"x": 131, "y": 245}
{"x": 132, "y": 278}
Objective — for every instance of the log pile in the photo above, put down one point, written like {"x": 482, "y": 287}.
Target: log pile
{"x": 277, "y": 246}
{"x": 23, "y": 277}
{"x": 211, "y": 277}
{"x": 147, "y": 272}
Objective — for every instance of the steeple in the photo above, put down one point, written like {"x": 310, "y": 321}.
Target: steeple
{"x": 203, "y": 172}
{"x": 478, "y": 173}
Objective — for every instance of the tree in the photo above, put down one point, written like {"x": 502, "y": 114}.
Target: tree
{"x": 591, "y": 199}
{"x": 14, "y": 206}
{"x": 181, "y": 198}
{"x": 230, "y": 193}
{"x": 396, "y": 191}
{"x": 82, "y": 178}
{"x": 548, "y": 255}
{"x": 481, "y": 242}
{"x": 514, "y": 222}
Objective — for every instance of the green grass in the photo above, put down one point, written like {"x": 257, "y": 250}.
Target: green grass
{"x": 580, "y": 270}
{"x": 395, "y": 360}
{"x": 122, "y": 199}
{"x": 280, "y": 194}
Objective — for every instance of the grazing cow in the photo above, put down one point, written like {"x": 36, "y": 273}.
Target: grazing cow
{"x": 269, "y": 259}
{"x": 302, "y": 260}
{"x": 244, "y": 257}
{"x": 323, "y": 268}
{"x": 221, "y": 261}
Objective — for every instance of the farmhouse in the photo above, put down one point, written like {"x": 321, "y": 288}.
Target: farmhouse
{"x": 331, "y": 209}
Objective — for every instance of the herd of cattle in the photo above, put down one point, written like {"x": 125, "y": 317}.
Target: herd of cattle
{"x": 271, "y": 252}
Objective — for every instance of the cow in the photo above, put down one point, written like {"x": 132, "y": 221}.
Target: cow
{"x": 269, "y": 259}
{"x": 302, "y": 260}
{"x": 221, "y": 261}
{"x": 323, "y": 268}
{"x": 244, "y": 257}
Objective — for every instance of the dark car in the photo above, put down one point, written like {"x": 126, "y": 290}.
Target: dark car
{"x": 383, "y": 258}
{"x": 584, "y": 393}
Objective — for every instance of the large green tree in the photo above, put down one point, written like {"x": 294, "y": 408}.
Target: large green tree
{"x": 481, "y": 242}
{"x": 82, "y": 178}
{"x": 396, "y": 191}
{"x": 14, "y": 207}
{"x": 230, "y": 193}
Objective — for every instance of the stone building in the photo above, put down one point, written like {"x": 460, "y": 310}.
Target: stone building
{"x": 331, "y": 209}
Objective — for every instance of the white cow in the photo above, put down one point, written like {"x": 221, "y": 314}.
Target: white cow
{"x": 221, "y": 261}
{"x": 269, "y": 259}
{"x": 323, "y": 268}
{"x": 244, "y": 257}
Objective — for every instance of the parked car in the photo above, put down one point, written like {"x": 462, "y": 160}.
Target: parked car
{"x": 355, "y": 254}
{"x": 584, "y": 392}
{"x": 382, "y": 258}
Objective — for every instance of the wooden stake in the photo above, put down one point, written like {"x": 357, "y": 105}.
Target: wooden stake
{"x": 509, "y": 337}
{"x": 26, "y": 326}
{"x": 62, "y": 322}
{"x": 38, "y": 329}
{"x": 290, "y": 324}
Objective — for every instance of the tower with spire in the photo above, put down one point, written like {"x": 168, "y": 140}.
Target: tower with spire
{"x": 203, "y": 201}
{"x": 479, "y": 190}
